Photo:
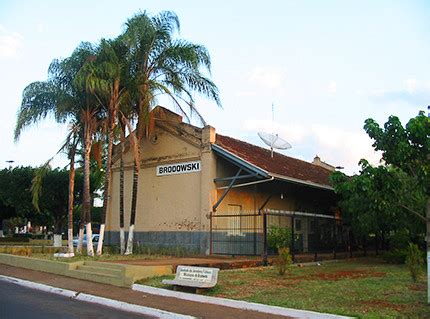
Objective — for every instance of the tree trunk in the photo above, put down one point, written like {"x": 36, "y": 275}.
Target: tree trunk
{"x": 86, "y": 190}
{"x": 57, "y": 233}
{"x": 121, "y": 194}
{"x": 80, "y": 237}
{"x": 129, "y": 250}
{"x": 106, "y": 186}
{"x": 71, "y": 200}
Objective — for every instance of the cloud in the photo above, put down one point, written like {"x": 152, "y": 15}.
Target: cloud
{"x": 246, "y": 93}
{"x": 411, "y": 85}
{"x": 266, "y": 77}
{"x": 40, "y": 27}
{"x": 336, "y": 146}
{"x": 10, "y": 43}
{"x": 414, "y": 93}
{"x": 332, "y": 87}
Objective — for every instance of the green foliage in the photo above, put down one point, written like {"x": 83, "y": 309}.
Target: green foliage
{"x": 390, "y": 197}
{"x": 283, "y": 260}
{"x": 414, "y": 261}
{"x": 395, "y": 256}
{"x": 279, "y": 237}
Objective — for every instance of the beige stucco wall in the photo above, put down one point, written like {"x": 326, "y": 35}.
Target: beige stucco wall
{"x": 179, "y": 202}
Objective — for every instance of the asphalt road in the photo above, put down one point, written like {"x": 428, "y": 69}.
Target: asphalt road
{"x": 20, "y": 302}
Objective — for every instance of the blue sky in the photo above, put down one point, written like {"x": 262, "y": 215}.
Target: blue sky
{"x": 326, "y": 66}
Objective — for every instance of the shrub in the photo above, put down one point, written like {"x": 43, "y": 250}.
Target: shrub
{"x": 283, "y": 260}
{"x": 400, "y": 239}
{"x": 414, "y": 261}
{"x": 396, "y": 256}
{"x": 279, "y": 237}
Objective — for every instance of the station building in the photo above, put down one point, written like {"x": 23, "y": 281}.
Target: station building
{"x": 206, "y": 192}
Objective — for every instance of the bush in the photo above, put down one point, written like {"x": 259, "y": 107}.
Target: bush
{"x": 414, "y": 261}
{"x": 400, "y": 239}
{"x": 279, "y": 237}
{"x": 396, "y": 256}
{"x": 283, "y": 260}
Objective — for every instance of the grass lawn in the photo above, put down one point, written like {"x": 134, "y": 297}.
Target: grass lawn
{"x": 104, "y": 257}
{"x": 366, "y": 288}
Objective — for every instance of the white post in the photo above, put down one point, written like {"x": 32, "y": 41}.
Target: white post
{"x": 58, "y": 240}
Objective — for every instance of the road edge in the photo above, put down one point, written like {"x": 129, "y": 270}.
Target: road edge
{"x": 111, "y": 303}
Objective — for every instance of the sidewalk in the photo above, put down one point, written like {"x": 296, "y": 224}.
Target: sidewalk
{"x": 175, "y": 305}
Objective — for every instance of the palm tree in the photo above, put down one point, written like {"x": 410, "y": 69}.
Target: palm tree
{"x": 61, "y": 97}
{"x": 104, "y": 77}
{"x": 162, "y": 65}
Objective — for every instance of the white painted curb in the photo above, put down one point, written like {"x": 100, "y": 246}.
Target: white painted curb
{"x": 41, "y": 287}
{"x": 238, "y": 304}
{"x": 119, "y": 305}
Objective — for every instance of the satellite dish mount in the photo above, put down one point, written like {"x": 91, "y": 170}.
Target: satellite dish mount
{"x": 273, "y": 140}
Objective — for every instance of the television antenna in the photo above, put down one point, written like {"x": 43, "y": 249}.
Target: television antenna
{"x": 273, "y": 140}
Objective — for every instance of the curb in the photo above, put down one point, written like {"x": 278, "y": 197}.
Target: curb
{"x": 111, "y": 303}
{"x": 238, "y": 304}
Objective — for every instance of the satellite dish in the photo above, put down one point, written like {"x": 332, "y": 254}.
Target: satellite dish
{"x": 274, "y": 141}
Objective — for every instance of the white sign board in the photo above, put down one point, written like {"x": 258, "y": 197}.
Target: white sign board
{"x": 198, "y": 274}
{"x": 179, "y": 168}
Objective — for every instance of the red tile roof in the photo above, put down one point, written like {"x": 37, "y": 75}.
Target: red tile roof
{"x": 279, "y": 165}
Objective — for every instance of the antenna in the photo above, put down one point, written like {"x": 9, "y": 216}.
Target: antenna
{"x": 273, "y": 140}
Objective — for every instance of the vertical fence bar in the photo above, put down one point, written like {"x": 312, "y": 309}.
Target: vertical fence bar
{"x": 334, "y": 238}
{"x": 292, "y": 239}
{"x": 210, "y": 233}
{"x": 316, "y": 239}
{"x": 265, "y": 248}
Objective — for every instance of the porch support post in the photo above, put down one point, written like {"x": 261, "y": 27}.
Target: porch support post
{"x": 265, "y": 203}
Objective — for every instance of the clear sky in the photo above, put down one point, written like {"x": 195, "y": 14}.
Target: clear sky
{"x": 326, "y": 66}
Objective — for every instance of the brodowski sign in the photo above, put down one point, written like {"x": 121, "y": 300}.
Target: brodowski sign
{"x": 179, "y": 168}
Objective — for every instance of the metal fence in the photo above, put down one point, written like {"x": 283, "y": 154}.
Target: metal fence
{"x": 246, "y": 233}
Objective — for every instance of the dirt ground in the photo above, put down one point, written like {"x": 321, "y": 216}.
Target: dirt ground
{"x": 217, "y": 262}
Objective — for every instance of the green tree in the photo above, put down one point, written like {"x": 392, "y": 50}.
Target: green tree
{"x": 106, "y": 77}
{"x": 394, "y": 195}
{"x": 62, "y": 97}
{"x": 159, "y": 64}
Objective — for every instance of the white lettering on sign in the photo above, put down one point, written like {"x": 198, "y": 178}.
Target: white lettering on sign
{"x": 179, "y": 168}
{"x": 195, "y": 274}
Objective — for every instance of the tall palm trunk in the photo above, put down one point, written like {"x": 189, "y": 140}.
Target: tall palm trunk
{"x": 81, "y": 234}
{"x": 121, "y": 193}
{"x": 86, "y": 190}
{"x": 106, "y": 186}
{"x": 129, "y": 250}
{"x": 134, "y": 141}
{"x": 71, "y": 199}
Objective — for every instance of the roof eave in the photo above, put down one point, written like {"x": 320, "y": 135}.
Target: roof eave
{"x": 240, "y": 161}
{"x": 299, "y": 181}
